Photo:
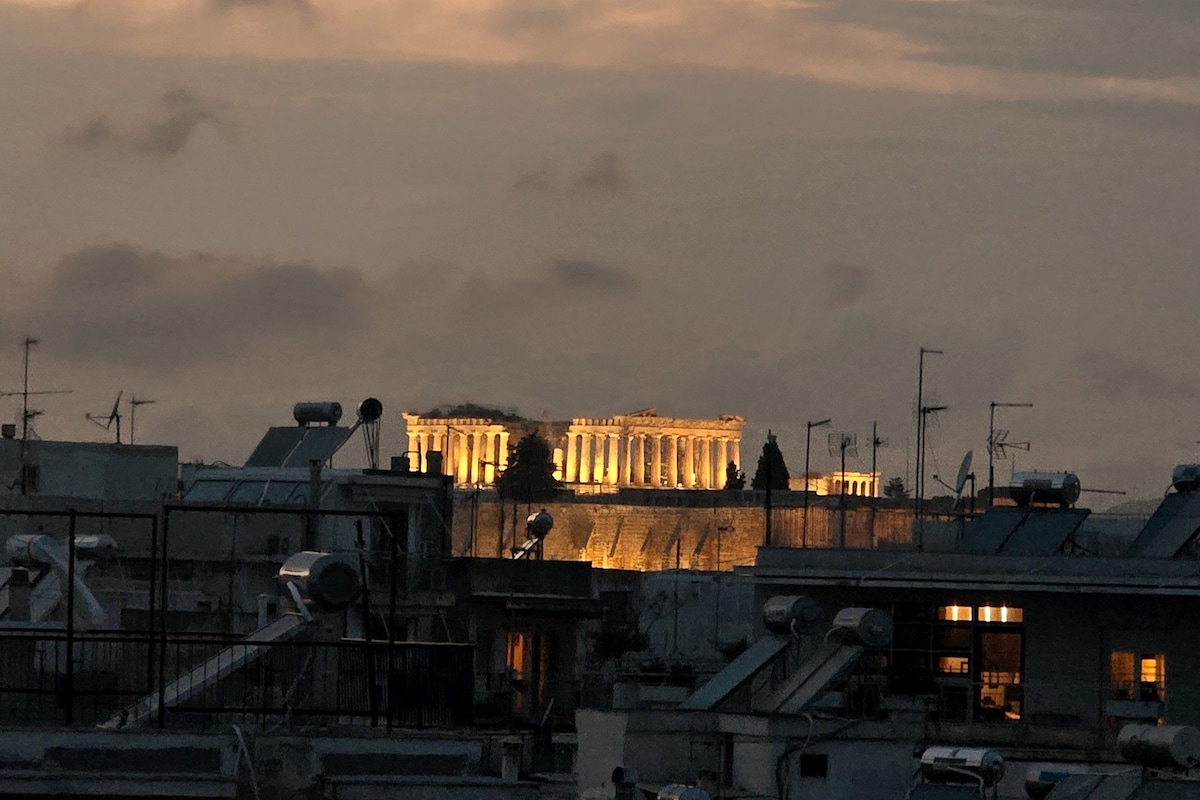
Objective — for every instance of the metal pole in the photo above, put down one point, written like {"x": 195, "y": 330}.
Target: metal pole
{"x": 807, "y": 441}
{"x": 152, "y": 602}
{"x": 162, "y": 621}
{"x": 807, "y": 444}
{"x": 391, "y": 659}
{"x": 372, "y": 685}
{"x": 991, "y": 444}
{"x": 842, "y": 532}
{"x": 29, "y": 342}
{"x": 69, "y": 677}
{"x": 921, "y": 428}
{"x": 874, "y": 481}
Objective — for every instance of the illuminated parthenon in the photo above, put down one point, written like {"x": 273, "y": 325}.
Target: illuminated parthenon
{"x": 640, "y": 450}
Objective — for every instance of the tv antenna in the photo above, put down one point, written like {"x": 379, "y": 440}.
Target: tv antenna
{"x": 134, "y": 402}
{"x": 998, "y": 444}
{"x": 113, "y": 416}
{"x": 28, "y": 414}
{"x": 845, "y": 444}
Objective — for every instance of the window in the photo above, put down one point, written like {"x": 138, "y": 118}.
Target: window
{"x": 814, "y": 765}
{"x": 1137, "y": 676}
{"x": 955, "y": 613}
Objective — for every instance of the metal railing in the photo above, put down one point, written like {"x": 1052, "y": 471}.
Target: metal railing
{"x": 416, "y": 685}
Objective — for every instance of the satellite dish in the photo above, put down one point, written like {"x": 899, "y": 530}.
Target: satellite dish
{"x": 964, "y": 472}
{"x": 116, "y": 409}
{"x": 370, "y": 410}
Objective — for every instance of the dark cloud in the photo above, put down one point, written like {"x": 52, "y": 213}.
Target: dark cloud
{"x": 179, "y": 112}
{"x": 303, "y": 7}
{"x": 1111, "y": 376}
{"x": 604, "y": 175}
{"x": 1076, "y": 37}
{"x": 538, "y": 181}
{"x": 125, "y": 305}
{"x": 588, "y": 275}
{"x": 846, "y": 283}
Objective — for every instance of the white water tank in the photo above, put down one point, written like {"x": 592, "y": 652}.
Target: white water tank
{"x": 940, "y": 764}
{"x": 794, "y": 614}
{"x": 1056, "y": 488}
{"x": 869, "y": 627}
{"x": 316, "y": 413}
{"x": 1164, "y": 746}
{"x": 326, "y": 582}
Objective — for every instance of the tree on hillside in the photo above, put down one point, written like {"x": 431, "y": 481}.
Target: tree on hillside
{"x": 772, "y": 471}
{"x": 895, "y": 489}
{"x": 530, "y": 474}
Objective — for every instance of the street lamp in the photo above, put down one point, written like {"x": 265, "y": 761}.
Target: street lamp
{"x": 994, "y": 443}
{"x": 807, "y": 442}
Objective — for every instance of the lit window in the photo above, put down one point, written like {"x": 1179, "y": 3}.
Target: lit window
{"x": 1001, "y": 614}
{"x": 1137, "y": 676}
{"x": 954, "y": 613}
{"x": 954, "y": 665}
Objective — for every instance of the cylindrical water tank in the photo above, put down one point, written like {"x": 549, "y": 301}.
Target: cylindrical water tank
{"x": 942, "y": 764}
{"x": 326, "y": 582}
{"x": 314, "y": 413}
{"x": 784, "y": 614}
{"x": 1060, "y": 488}
{"x": 1186, "y": 477}
{"x": 1167, "y": 746}
{"x": 679, "y": 791}
{"x": 866, "y": 626}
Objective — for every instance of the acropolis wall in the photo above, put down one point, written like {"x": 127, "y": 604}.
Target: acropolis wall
{"x": 652, "y": 537}
{"x": 640, "y": 450}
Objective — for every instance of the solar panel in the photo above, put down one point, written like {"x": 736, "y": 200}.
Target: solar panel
{"x": 736, "y": 674}
{"x": 988, "y": 533}
{"x": 1170, "y": 528}
{"x": 1044, "y": 531}
{"x": 318, "y": 444}
{"x": 275, "y": 447}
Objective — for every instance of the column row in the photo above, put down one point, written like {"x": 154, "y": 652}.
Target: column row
{"x": 472, "y": 457}
{"x": 642, "y": 459}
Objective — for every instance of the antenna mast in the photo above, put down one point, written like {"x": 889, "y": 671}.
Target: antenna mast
{"x": 26, "y": 414}
{"x": 133, "y": 404}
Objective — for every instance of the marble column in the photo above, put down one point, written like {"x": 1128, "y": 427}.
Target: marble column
{"x": 672, "y": 460}
{"x": 614, "y": 458}
{"x": 656, "y": 461}
{"x": 736, "y": 455}
{"x": 689, "y": 462}
{"x": 706, "y": 473}
{"x": 585, "y": 458}
{"x": 572, "y": 474}
{"x": 598, "y": 459}
{"x": 489, "y": 458}
{"x": 502, "y": 451}
{"x": 624, "y": 460}
{"x": 475, "y": 440}
{"x": 637, "y": 455}
{"x": 464, "y": 457}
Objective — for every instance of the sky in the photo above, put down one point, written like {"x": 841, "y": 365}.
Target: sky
{"x": 580, "y": 208}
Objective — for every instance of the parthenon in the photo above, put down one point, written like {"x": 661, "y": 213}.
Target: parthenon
{"x": 640, "y": 450}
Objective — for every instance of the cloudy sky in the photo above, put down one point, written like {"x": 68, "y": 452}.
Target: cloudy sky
{"x": 588, "y": 207}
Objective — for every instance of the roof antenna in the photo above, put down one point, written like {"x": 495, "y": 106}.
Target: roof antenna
{"x": 134, "y": 402}
{"x": 28, "y": 414}
{"x": 113, "y": 416}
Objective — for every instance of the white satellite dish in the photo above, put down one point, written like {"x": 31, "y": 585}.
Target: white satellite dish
{"x": 964, "y": 472}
